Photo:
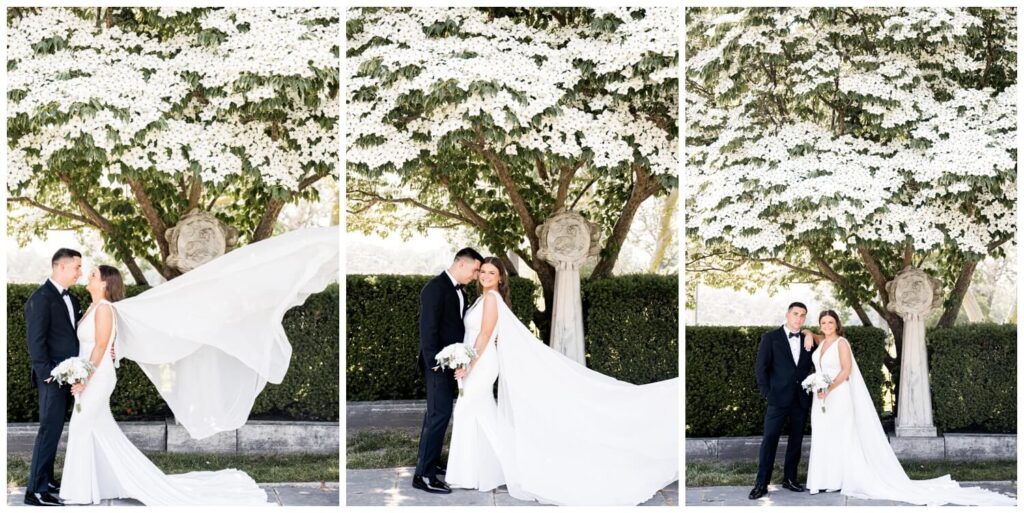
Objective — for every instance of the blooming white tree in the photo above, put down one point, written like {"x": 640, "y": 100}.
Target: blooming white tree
{"x": 124, "y": 119}
{"x": 497, "y": 118}
{"x": 846, "y": 144}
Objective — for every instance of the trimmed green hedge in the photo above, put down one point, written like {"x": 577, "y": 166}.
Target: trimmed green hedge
{"x": 309, "y": 390}
{"x": 973, "y": 376}
{"x": 631, "y": 324}
{"x": 721, "y": 390}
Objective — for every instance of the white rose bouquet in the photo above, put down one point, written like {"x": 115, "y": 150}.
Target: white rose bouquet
{"x": 72, "y": 371}
{"x": 455, "y": 356}
{"x": 817, "y": 382}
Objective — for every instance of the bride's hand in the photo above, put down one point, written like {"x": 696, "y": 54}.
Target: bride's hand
{"x": 77, "y": 389}
{"x": 461, "y": 373}
{"x": 808, "y": 340}
{"x": 822, "y": 394}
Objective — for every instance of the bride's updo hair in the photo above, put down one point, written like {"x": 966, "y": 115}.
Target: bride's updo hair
{"x": 835, "y": 317}
{"x": 502, "y": 279}
{"x": 115, "y": 285}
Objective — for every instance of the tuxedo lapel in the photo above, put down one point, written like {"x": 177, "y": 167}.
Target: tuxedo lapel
{"x": 782, "y": 340}
{"x": 63, "y": 306}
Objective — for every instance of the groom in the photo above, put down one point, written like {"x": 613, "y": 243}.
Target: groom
{"x": 442, "y": 305}
{"x": 781, "y": 366}
{"x": 51, "y": 315}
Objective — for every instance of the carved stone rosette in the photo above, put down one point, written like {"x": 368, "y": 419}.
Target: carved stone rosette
{"x": 198, "y": 238}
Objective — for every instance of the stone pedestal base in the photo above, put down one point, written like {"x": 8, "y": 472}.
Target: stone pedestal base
{"x": 916, "y": 431}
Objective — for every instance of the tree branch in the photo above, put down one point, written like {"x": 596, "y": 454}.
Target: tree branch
{"x": 564, "y": 181}
{"x": 54, "y": 211}
{"x": 152, "y": 216}
{"x": 876, "y": 273}
{"x": 377, "y": 198}
{"x": 505, "y": 177}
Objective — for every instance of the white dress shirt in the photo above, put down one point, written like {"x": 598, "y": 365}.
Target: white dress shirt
{"x": 462, "y": 299}
{"x": 67, "y": 301}
{"x": 794, "y": 343}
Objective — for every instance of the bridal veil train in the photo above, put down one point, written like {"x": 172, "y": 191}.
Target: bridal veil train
{"x": 573, "y": 436}
{"x": 211, "y": 339}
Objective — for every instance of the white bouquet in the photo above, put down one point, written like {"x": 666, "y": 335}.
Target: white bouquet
{"x": 72, "y": 371}
{"x": 455, "y": 356}
{"x": 817, "y": 382}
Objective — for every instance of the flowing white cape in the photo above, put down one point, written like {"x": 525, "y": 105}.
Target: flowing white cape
{"x": 211, "y": 339}
{"x": 874, "y": 472}
{"x": 573, "y": 436}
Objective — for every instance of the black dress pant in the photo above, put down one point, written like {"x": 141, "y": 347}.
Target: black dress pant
{"x": 53, "y": 406}
{"x": 441, "y": 389}
{"x": 774, "y": 421}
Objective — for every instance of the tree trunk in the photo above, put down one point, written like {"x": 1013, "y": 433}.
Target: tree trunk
{"x": 956, "y": 297}
{"x": 665, "y": 231}
{"x": 135, "y": 270}
{"x": 546, "y": 276}
{"x": 149, "y": 211}
{"x": 861, "y": 314}
{"x": 644, "y": 187}
{"x": 892, "y": 364}
{"x": 266, "y": 227}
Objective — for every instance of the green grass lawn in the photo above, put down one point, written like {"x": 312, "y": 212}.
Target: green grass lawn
{"x": 263, "y": 468}
{"x": 385, "y": 449}
{"x": 718, "y": 473}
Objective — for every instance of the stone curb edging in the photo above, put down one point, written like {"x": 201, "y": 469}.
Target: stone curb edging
{"x": 257, "y": 436}
{"x": 950, "y": 446}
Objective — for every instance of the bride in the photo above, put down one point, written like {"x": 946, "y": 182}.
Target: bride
{"x": 850, "y": 451}
{"x": 559, "y": 433}
{"x": 210, "y": 340}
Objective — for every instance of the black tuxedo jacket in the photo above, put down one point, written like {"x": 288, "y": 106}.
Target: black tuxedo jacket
{"x": 440, "y": 319}
{"x": 51, "y": 333}
{"x": 778, "y": 377}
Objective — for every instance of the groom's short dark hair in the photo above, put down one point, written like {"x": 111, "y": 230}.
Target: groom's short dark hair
{"x": 469, "y": 253}
{"x": 63, "y": 253}
{"x": 797, "y": 304}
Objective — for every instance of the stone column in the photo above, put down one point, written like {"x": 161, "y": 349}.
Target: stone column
{"x": 912, "y": 294}
{"x": 566, "y": 240}
{"x": 198, "y": 238}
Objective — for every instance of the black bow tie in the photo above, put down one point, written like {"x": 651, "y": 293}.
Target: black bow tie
{"x": 459, "y": 286}
{"x": 64, "y": 293}
{"x": 797, "y": 335}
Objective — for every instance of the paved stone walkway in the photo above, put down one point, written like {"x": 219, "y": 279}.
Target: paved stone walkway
{"x": 777, "y": 496}
{"x": 281, "y": 494}
{"x": 393, "y": 487}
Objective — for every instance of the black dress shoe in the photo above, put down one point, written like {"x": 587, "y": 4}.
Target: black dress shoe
{"x": 53, "y": 489}
{"x": 42, "y": 499}
{"x": 430, "y": 484}
{"x": 439, "y": 470}
{"x": 793, "y": 486}
{"x": 758, "y": 492}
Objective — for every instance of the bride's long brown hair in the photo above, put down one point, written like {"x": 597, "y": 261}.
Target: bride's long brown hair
{"x": 115, "y": 284}
{"x": 502, "y": 279}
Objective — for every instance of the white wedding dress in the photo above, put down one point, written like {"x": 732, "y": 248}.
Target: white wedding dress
{"x": 850, "y": 451}
{"x": 472, "y": 458}
{"x": 209, "y": 340}
{"x": 560, "y": 433}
